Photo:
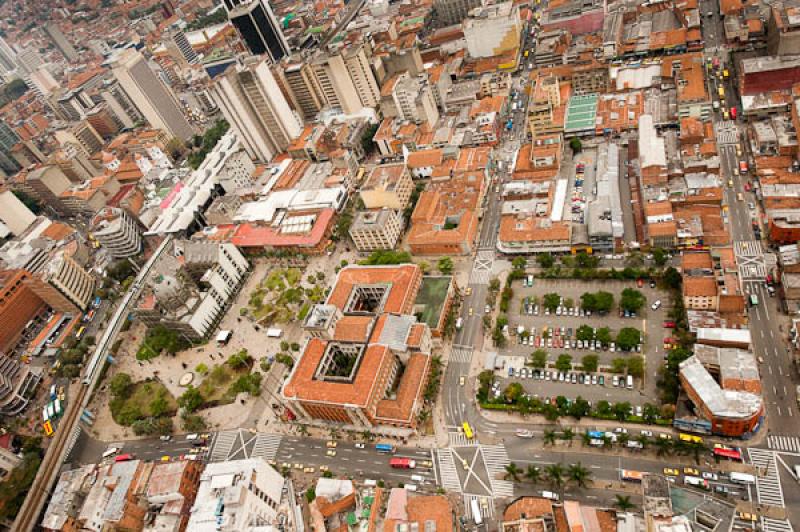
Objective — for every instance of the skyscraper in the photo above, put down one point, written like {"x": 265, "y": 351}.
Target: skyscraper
{"x": 61, "y": 42}
{"x": 154, "y": 100}
{"x": 300, "y": 81}
{"x": 180, "y": 46}
{"x": 8, "y": 57}
{"x": 255, "y": 107}
{"x": 346, "y": 80}
{"x": 258, "y": 28}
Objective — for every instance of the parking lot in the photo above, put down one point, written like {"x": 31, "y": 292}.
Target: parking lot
{"x": 529, "y": 326}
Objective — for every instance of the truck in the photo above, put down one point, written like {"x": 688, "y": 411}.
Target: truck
{"x": 403, "y": 463}
{"x": 742, "y": 478}
{"x": 477, "y": 518}
{"x": 459, "y": 323}
{"x": 743, "y": 167}
{"x": 696, "y": 482}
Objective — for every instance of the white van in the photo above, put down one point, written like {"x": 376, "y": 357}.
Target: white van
{"x": 550, "y": 495}
{"x": 418, "y": 478}
{"x": 111, "y": 451}
{"x": 411, "y": 487}
{"x": 630, "y": 382}
{"x": 191, "y": 437}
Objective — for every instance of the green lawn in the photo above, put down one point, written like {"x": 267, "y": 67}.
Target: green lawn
{"x": 431, "y": 298}
{"x": 214, "y": 388}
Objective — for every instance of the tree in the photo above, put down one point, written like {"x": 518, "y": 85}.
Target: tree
{"x": 545, "y": 260}
{"x": 672, "y": 278}
{"x": 590, "y": 363}
{"x": 621, "y": 410}
{"x": 568, "y": 435}
{"x": 628, "y": 338}
{"x": 539, "y": 359}
{"x": 383, "y": 257}
{"x": 513, "y": 471}
{"x": 555, "y": 475}
{"x": 550, "y": 412}
{"x": 240, "y": 360}
{"x": 191, "y": 399}
{"x": 494, "y": 285}
{"x": 513, "y": 392}
{"x": 121, "y": 385}
{"x": 663, "y": 447}
{"x": 576, "y": 145}
{"x": 564, "y": 363}
{"x": 366, "y": 139}
{"x": 519, "y": 263}
{"x": 202, "y": 369}
{"x": 445, "y": 265}
{"x": 632, "y": 300}
{"x": 578, "y": 474}
{"x": 649, "y": 413}
{"x": 659, "y": 257}
{"x": 604, "y": 301}
{"x": 551, "y": 301}
{"x": 623, "y": 503}
{"x": 636, "y": 366}
{"x": 579, "y": 408}
{"x": 584, "y": 260}
{"x": 533, "y": 474}
{"x": 603, "y": 335}
{"x": 603, "y": 408}
{"x": 584, "y": 333}
{"x": 643, "y": 440}
{"x": 589, "y": 301}
{"x": 158, "y": 406}
{"x": 549, "y": 437}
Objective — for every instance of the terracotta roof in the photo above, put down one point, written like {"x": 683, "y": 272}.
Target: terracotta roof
{"x": 696, "y": 260}
{"x": 425, "y": 158}
{"x": 57, "y": 231}
{"x": 471, "y": 159}
{"x": 402, "y": 280}
{"x": 514, "y": 228}
{"x": 699, "y": 286}
{"x": 253, "y": 235}
{"x": 422, "y": 510}
{"x": 401, "y": 408}
{"x": 663, "y": 229}
{"x": 353, "y": 329}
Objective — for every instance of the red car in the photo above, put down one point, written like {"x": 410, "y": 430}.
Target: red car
{"x": 769, "y": 278}
{"x": 639, "y": 283}
{"x": 748, "y": 187}
{"x": 669, "y": 340}
{"x": 669, "y": 324}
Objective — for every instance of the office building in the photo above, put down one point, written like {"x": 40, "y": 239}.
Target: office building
{"x": 388, "y": 186}
{"x": 46, "y": 184}
{"x": 14, "y": 214}
{"x": 81, "y": 135}
{"x": 61, "y": 42}
{"x": 18, "y": 305}
{"x": 121, "y": 105}
{"x": 8, "y": 139}
{"x": 8, "y": 58}
{"x": 180, "y": 46}
{"x": 302, "y": 85}
{"x": 449, "y": 12}
{"x": 43, "y": 83}
{"x": 346, "y": 79}
{"x": 493, "y": 30}
{"x": 376, "y": 229}
{"x": 63, "y": 284}
{"x": 153, "y": 99}
{"x": 258, "y": 28}
{"x": 28, "y": 61}
{"x": 254, "y": 106}
{"x": 117, "y": 232}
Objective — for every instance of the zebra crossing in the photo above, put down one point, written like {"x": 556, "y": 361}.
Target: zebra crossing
{"x": 73, "y": 439}
{"x": 266, "y": 446}
{"x": 482, "y": 269}
{"x": 775, "y": 525}
{"x": 484, "y": 503}
{"x": 461, "y": 354}
{"x": 223, "y": 445}
{"x": 789, "y": 444}
{"x": 727, "y": 133}
{"x": 768, "y": 484}
{"x": 448, "y": 473}
{"x": 457, "y": 439}
{"x": 750, "y": 259}
{"x": 496, "y": 459}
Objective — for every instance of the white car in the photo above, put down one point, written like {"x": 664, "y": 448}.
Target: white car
{"x": 360, "y": 446}
{"x": 647, "y": 433}
{"x": 656, "y": 305}
{"x": 710, "y": 476}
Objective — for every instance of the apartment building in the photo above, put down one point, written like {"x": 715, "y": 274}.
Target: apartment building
{"x": 302, "y": 85}
{"x": 388, "y": 186}
{"x": 46, "y": 184}
{"x": 14, "y": 214}
{"x": 117, "y": 232}
{"x": 253, "y": 104}
{"x": 61, "y": 42}
{"x": 154, "y": 100}
{"x": 82, "y": 135}
{"x": 450, "y": 12}
{"x": 63, "y": 284}
{"x": 376, "y": 229}
{"x": 413, "y": 99}
{"x": 346, "y": 80}
{"x": 18, "y": 305}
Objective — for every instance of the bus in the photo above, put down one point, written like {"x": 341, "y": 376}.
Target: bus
{"x": 742, "y": 478}
{"x": 468, "y": 431}
{"x": 731, "y": 453}
{"x": 690, "y": 438}
{"x": 385, "y": 448}
{"x": 753, "y": 300}
{"x": 459, "y": 323}
{"x": 631, "y": 476}
{"x": 79, "y": 334}
{"x": 403, "y": 463}
{"x": 476, "y": 512}
{"x": 696, "y": 482}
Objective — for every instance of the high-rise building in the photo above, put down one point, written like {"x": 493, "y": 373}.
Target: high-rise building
{"x": 46, "y": 184}
{"x": 258, "y": 28}
{"x": 61, "y": 42}
{"x": 117, "y": 232}
{"x": 8, "y": 138}
{"x": 345, "y": 79}
{"x": 121, "y": 105}
{"x": 154, "y": 100}
{"x": 63, "y": 284}
{"x": 82, "y": 135}
{"x": 18, "y": 304}
{"x": 42, "y": 82}
{"x": 255, "y": 107}
{"x": 8, "y": 58}
{"x": 358, "y": 65}
{"x": 300, "y": 82}
{"x": 181, "y": 47}
{"x": 14, "y": 214}
{"x": 451, "y": 12}
{"x": 28, "y": 61}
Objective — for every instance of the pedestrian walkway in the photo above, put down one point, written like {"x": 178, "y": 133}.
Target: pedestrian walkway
{"x": 482, "y": 269}
{"x": 484, "y": 503}
{"x": 448, "y": 474}
{"x": 776, "y": 525}
{"x": 223, "y": 445}
{"x": 750, "y": 259}
{"x": 784, "y": 443}
{"x": 768, "y": 483}
{"x": 73, "y": 439}
{"x": 727, "y": 133}
{"x": 266, "y": 446}
{"x": 496, "y": 459}
{"x": 457, "y": 439}
{"x": 461, "y": 354}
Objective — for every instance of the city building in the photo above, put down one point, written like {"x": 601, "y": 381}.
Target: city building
{"x": 8, "y": 58}
{"x": 46, "y": 184}
{"x": 258, "y": 28}
{"x": 368, "y": 358}
{"x": 154, "y": 100}
{"x": 63, "y": 284}
{"x": 191, "y": 287}
{"x": 18, "y": 305}
{"x": 451, "y": 12}
{"x": 411, "y": 99}
{"x": 405, "y": 510}
{"x": 82, "y": 136}
{"x": 388, "y": 186}
{"x": 170, "y": 494}
{"x": 117, "y": 232}
{"x": 255, "y": 107}
{"x": 376, "y": 229}
{"x": 237, "y": 495}
{"x": 61, "y": 42}
{"x": 540, "y": 514}
{"x": 346, "y": 80}
{"x": 493, "y": 29}
{"x": 180, "y": 46}
{"x": 299, "y": 79}
{"x": 14, "y": 214}
{"x": 8, "y": 139}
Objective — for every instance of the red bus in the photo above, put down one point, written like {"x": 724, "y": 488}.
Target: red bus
{"x": 731, "y": 453}
{"x": 403, "y": 463}
{"x": 123, "y": 457}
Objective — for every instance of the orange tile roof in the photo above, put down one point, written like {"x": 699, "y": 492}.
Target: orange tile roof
{"x": 401, "y": 408}
{"x": 472, "y": 159}
{"x": 57, "y": 231}
{"x": 696, "y": 260}
{"x": 663, "y": 229}
{"x": 353, "y": 329}
{"x": 403, "y": 281}
{"x": 514, "y": 228}
{"x": 425, "y": 158}
{"x": 699, "y": 286}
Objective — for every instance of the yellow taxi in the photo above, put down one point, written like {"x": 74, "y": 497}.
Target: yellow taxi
{"x": 671, "y": 472}
{"x": 691, "y": 471}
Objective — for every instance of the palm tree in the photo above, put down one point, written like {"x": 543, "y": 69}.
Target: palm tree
{"x": 623, "y": 438}
{"x": 698, "y": 448}
{"x": 423, "y": 416}
{"x": 513, "y": 471}
{"x": 334, "y": 433}
{"x": 643, "y": 440}
{"x": 623, "y": 502}
{"x": 568, "y": 435}
{"x": 606, "y": 442}
{"x": 585, "y": 438}
{"x": 664, "y": 446}
{"x": 579, "y": 474}
{"x": 533, "y": 473}
{"x": 549, "y": 437}
{"x": 555, "y": 475}
{"x": 367, "y": 435}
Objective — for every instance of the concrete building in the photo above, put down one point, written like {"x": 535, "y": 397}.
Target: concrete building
{"x": 117, "y": 232}
{"x": 46, "y": 184}
{"x": 388, "y": 186}
{"x": 63, "y": 284}
{"x": 29, "y": 61}
{"x": 190, "y": 289}
{"x": 8, "y": 139}
{"x": 258, "y": 28}
{"x": 14, "y": 214}
{"x": 346, "y": 80}
{"x": 302, "y": 85}
{"x": 180, "y": 47}
{"x": 376, "y": 229}
{"x": 8, "y": 58}
{"x": 18, "y": 305}
{"x": 43, "y": 83}
{"x": 493, "y": 29}
{"x": 121, "y": 105}
{"x": 451, "y": 12}
{"x": 414, "y": 101}
{"x": 255, "y": 107}
{"x": 81, "y": 135}
{"x": 235, "y": 496}
{"x": 152, "y": 98}
{"x": 61, "y": 42}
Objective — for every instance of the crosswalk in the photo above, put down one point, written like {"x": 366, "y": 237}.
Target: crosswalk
{"x": 461, "y": 354}
{"x": 73, "y": 439}
{"x": 775, "y": 525}
{"x": 727, "y": 133}
{"x": 750, "y": 259}
{"x": 484, "y": 503}
{"x": 789, "y": 444}
{"x": 496, "y": 459}
{"x": 457, "y": 439}
{"x": 266, "y": 446}
{"x": 223, "y": 445}
{"x": 768, "y": 484}
{"x": 448, "y": 473}
{"x": 482, "y": 269}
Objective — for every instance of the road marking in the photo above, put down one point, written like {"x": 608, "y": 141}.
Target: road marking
{"x": 770, "y": 370}
{"x": 771, "y": 334}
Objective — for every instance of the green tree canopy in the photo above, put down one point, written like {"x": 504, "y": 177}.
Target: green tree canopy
{"x": 632, "y": 300}
{"x": 628, "y": 338}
